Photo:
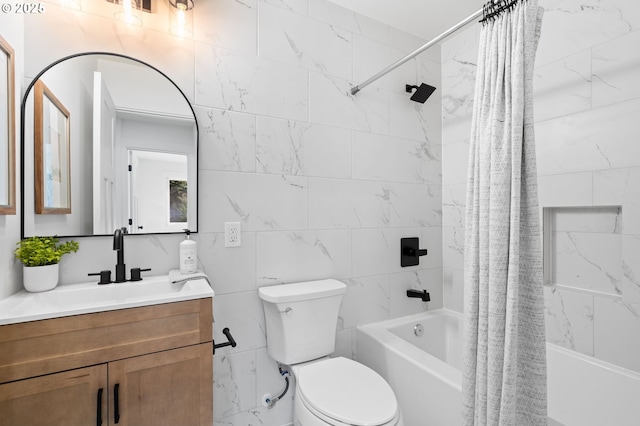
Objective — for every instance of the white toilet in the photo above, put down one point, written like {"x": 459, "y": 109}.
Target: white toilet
{"x": 301, "y": 323}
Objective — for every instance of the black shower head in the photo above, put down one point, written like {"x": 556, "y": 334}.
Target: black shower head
{"x": 422, "y": 92}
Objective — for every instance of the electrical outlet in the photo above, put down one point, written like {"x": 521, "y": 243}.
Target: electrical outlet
{"x": 232, "y": 234}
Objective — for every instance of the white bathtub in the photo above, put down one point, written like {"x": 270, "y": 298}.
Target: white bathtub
{"x": 424, "y": 372}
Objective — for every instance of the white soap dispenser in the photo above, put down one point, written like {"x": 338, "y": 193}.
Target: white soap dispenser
{"x": 188, "y": 255}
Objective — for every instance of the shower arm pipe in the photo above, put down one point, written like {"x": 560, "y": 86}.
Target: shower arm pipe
{"x": 416, "y": 52}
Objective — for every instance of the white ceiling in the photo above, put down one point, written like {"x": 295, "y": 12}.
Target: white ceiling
{"x": 424, "y": 18}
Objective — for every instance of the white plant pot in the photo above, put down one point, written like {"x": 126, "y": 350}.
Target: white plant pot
{"x": 40, "y": 278}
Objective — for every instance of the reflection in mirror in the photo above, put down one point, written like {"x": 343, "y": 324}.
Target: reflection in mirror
{"x": 7, "y": 129}
{"x": 51, "y": 147}
{"x": 133, "y": 137}
{"x": 158, "y": 191}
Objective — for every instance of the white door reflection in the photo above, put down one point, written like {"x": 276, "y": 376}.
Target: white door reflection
{"x": 158, "y": 191}
{"x": 104, "y": 142}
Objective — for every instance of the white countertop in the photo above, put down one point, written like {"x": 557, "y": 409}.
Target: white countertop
{"x": 85, "y": 298}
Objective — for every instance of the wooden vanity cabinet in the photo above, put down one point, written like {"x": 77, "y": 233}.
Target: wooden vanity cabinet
{"x": 150, "y": 365}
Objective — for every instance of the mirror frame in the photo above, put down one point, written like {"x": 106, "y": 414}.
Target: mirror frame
{"x": 23, "y": 106}
{"x": 10, "y": 207}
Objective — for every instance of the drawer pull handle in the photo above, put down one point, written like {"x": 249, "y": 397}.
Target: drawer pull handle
{"x": 99, "y": 411}
{"x": 116, "y": 405}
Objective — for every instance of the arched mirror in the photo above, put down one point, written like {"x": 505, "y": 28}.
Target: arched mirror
{"x": 108, "y": 141}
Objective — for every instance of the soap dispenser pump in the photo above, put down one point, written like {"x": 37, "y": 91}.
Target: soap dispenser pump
{"x": 188, "y": 255}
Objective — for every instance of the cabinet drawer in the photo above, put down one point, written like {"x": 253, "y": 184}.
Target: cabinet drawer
{"x": 42, "y": 347}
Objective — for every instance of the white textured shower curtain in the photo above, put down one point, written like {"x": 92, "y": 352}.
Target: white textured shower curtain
{"x": 504, "y": 372}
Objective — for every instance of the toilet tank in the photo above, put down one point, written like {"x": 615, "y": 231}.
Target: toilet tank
{"x": 301, "y": 319}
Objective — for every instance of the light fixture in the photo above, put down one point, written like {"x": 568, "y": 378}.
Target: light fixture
{"x": 181, "y": 21}
{"x": 184, "y": 5}
{"x": 129, "y": 12}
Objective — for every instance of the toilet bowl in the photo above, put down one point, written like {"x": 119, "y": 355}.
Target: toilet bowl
{"x": 301, "y": 321}
{"x": 342, "y": 392}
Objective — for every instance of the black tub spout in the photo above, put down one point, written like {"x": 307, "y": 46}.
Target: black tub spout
{"x": 419, "y": 294}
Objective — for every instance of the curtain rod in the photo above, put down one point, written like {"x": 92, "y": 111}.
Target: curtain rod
{"x": 416, "y": 52}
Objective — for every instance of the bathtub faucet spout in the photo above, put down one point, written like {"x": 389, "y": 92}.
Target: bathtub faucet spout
{"x": 420, "y": 294}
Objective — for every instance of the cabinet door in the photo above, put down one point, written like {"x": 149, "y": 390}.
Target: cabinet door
{"x": 166, "y": 388}
{"x": 69, "y": 398}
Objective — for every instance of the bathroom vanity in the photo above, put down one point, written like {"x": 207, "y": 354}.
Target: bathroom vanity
{"x": 149, "y": 364}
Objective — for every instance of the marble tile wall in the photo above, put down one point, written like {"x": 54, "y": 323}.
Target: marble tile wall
{"x": 586, "y": 100}
{"x": 324, "y": 183}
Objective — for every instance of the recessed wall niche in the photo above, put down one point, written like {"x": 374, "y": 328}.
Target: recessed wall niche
{"x": 583, "y": 248}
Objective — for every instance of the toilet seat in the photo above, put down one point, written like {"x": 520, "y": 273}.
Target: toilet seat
{"x": 343, "y": 392}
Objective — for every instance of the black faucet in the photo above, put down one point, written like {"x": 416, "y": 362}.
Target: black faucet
{"x": 118, "y": 245}
{"x": 420, "y": 294}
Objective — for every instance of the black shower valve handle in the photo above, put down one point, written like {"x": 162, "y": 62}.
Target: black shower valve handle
{"x": 410, "y": 251}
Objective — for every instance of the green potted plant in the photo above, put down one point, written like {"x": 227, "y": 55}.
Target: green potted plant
{"x": 40, "y": 257}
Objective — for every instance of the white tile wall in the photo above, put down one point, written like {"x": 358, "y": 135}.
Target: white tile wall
{"x": 616, "y": 331}
{"x": 298, "y": 6}
{"x": 586, "y": 98}
{"x": 371, "y": 56}
{"x": 304, "y": 42}
{"x": 569, "y": 319}
{"x": 570, "y": 26}
{"x": 284, "y": 257}
{"x": 334, "y": 15}
{"x": 631, "y": 268}
{"x": 415, "y": 205}
{"x": 333, "y": 105}
{"x": 297, "y": 148}
{"x": 620, "y": 187}
{"x": 234, "y": 383}
{"x": 228, "y": 24}
{"x": 249, "y": 197}
{"x": 385, "y": 158}
{"x": 563, "y": 87}
{"x": 600, "y": 138}
{"x": 615, "y": 70}
{"x": 231, "y": 270}
{"x": 334, "y": 203}
{"x": 587, "y": 260}
{"x": 227, "y": 140}
{"x": 230, "y": 80}
{"x": 366, "y": 301}
{"x": 566, "y": 190}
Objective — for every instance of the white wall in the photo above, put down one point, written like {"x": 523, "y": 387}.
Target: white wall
{"x": 77, "y": 98}
{"x": 163, "y": 97}
{"x": 586, "y": 110}
{"x": 324, "y": 183}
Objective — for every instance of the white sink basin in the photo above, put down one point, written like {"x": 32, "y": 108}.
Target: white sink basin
{"x": 86, "y": 298}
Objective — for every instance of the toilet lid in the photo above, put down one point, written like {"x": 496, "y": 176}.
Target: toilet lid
{"x": 347, "y": 391}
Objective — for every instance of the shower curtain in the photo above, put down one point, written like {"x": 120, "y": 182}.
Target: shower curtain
{"x": 504, "y": 372}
